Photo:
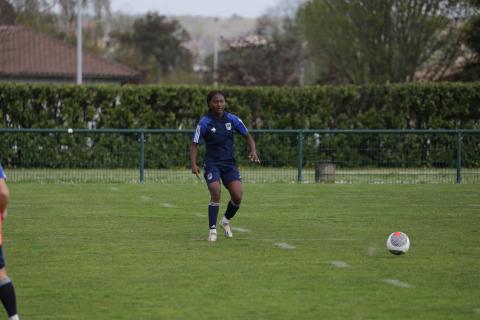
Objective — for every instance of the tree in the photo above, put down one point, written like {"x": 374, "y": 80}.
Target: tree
{"x": 99, "y": 9}
{"x": 381, "y": 41}
{"x": 471, "y": 68}
{"x": 156, "y": 45}
{"x": 7, "y": 13}
{"x": 285, "y": 8}
{"x": 272, "y": 56}
{"x": 59, "y": 17}
{"x": 35, "y": 14}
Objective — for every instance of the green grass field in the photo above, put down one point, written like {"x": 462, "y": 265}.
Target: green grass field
{"x": 249, "y": 175}
{"x": 300, "y": 251}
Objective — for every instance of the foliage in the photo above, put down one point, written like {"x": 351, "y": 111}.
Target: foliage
{"x": 7, "y": 13}
{"x": 471, "y": 69}
{"x": 419, "y": 106}
{"x": 98, "y": 9}
{"x": 58, "y": 18}
{"x": 381, "y": 41}
{"x": 409, "y": 106}
{"x": 156, "y": 45}
{"x": 273, "y": 59}
{"x": 33, "y": 14}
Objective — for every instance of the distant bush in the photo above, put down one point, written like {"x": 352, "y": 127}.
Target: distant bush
{"x": 399, "y": 106}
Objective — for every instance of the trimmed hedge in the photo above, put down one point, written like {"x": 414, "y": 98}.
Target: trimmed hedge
{"x": 398, "y": 106}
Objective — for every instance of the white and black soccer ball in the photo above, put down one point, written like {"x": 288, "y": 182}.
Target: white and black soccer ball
{"x": 398, "y": 243}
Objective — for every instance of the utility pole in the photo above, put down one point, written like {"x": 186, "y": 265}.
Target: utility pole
{"x": 215, "y": 55}
{"x": 301, "y": 75}
{"x": 79, "y": 42}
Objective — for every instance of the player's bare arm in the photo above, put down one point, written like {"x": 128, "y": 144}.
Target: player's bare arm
{"x": 193, "y": 158}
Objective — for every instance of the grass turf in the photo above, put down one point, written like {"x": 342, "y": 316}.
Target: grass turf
{"x": 130, "y": 251}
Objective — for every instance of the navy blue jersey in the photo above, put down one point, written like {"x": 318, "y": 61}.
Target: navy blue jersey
{"x": 2, "y": 173}
{"x": 218, "y": 136}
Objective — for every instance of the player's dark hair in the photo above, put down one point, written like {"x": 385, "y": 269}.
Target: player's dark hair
{"x": 212, "y": 94}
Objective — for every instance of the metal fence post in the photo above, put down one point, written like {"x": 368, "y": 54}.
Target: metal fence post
{"x": 300, "y": 156}
{"x": 459, "y": 157}
{"x": 142, "y": 156}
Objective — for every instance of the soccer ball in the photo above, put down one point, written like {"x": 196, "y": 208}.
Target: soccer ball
{"x": 398, "y": 243}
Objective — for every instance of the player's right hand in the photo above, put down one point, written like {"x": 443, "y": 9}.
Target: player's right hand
{"x": 196, "y": 170}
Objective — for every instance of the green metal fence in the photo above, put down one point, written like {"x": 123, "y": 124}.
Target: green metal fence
{"x": 288, "y": 156}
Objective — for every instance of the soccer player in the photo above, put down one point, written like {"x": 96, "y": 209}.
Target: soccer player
{"x": 216, "y": 128}
{"x": 7, "y": 292}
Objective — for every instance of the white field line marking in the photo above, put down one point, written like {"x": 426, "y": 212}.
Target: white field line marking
{"x": 145, "y": 198}
{"x": 371, "y": 251}
{"x": 285, "y": 245}
{"x": 240, "y": 229}
{"x": 200, "y": 215}
{"x": 114, "y": 188}
{"x": 340, "y": 264}
{"x": 167, "y": 205}
{"x": 293, "y": 239}
{"x": 397, "y": 283}
{"x": 297, "y": 239}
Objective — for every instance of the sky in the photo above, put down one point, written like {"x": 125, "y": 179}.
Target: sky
{"x": 210, "y": 8}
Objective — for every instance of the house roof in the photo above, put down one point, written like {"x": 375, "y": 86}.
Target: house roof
{"x": 26, "y": 53}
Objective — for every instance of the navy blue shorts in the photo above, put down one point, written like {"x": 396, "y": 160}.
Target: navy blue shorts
{"x": 227, "y": 172}
{"x": 2, "y": 261}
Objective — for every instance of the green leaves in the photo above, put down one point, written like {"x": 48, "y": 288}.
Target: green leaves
{"x": 314, "y": 107}
{"x": 155, "y": 44}
{"x": 381, "y": 41}
{"x": 400, "y": 106}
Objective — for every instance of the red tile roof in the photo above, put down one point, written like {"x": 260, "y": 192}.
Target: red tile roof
{"x": 26, "y": 53}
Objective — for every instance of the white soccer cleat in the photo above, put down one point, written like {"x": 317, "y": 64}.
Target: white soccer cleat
{"x": 226, "y": 229}
{"x": 212, "y": 236}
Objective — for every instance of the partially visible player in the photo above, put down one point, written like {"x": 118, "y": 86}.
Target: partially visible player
{"x": 216, "y": 128}
{"x": 7, "y": 292}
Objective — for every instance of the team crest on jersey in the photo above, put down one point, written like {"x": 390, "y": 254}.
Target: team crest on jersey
{"x": 228, "y": 125}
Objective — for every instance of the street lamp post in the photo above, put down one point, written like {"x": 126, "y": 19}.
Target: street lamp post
{"x": 79, "y": 42}
{"x": 215, "y": 55}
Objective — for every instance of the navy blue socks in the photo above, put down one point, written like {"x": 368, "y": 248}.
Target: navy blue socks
{"x": 7, "y": 296}
{"x": 213, "y": 214}
{"x": 232, "y": 208}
